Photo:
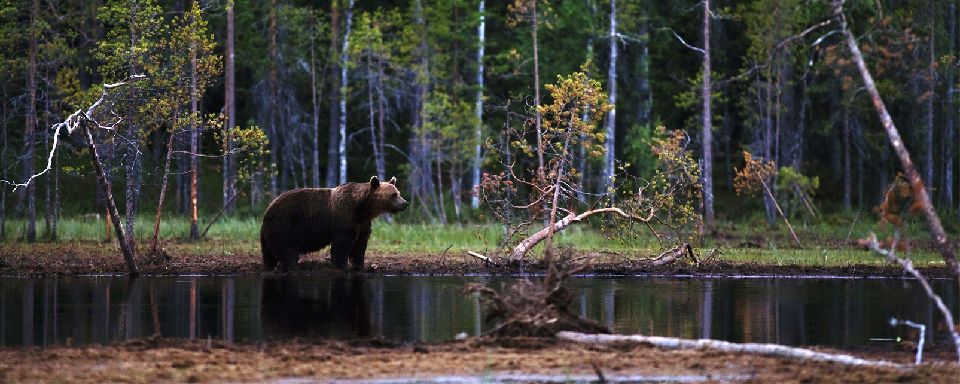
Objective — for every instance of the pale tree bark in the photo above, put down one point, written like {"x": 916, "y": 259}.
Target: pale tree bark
{"x": 920, "y": 194}
{"x": 610, "y": 140}
{"x": 331, "y": 174}
{"x": 774, "y": 350}
{"x": 706, "y": 95}
{"x": 478, "y": 149}
{"x": 30, "y": 126}
{"x": 344, "y": 59}
{"x": 931, "y": 84}
{"x": 230, "y": 110}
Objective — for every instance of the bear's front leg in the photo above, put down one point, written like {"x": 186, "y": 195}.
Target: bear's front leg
{"x": 343, "y": 241}
{"x": 360, "y": 247}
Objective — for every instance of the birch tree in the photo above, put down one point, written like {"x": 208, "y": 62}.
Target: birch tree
{"x": 707, "y": 123}
{"x": 610, "y": 141}
{"x": 344, "y": 60}
{"x": 478, "y": 152}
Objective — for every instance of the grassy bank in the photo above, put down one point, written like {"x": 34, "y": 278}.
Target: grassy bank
{"x": 824, "y": 243}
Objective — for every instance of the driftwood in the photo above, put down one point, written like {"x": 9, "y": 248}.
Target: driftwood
{"x": 775, "y": 350}
{"x": 672, "y": 255}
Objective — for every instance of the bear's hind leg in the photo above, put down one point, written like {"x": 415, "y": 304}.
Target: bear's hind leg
{"x": 360, "y": 247}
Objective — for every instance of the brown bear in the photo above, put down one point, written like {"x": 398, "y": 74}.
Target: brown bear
{"x": 308, "y": 219}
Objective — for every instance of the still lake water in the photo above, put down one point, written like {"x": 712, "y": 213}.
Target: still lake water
{"x": 792, "y": 311}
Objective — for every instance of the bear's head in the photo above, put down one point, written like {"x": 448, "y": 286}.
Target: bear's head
{"x": 385, "y": 197}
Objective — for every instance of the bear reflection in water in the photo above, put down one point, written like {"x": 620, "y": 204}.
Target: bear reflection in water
{"x": 301, "y": 307}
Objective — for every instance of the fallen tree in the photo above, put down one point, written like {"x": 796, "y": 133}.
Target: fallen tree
{"x": 775, "y": 350}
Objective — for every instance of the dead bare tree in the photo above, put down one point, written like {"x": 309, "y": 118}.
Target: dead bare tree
{"x": 84, "y": 120}
{"x": 937, "y": 233}
{"x": 918, "y": 191}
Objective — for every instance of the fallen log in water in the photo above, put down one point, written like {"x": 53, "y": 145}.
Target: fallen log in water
{"x": 725, "y": 346}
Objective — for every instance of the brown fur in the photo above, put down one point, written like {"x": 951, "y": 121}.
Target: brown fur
{"x": 308, "y": 219}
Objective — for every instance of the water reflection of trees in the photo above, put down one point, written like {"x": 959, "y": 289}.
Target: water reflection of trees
{"x": 83, "y": 310}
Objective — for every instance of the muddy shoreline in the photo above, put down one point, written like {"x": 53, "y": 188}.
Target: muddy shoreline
{"x": 96, "y": 259}
{"x": 178, "y": 360}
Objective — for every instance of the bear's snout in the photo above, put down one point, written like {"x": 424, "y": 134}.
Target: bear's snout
{"x": 403, "y": 205}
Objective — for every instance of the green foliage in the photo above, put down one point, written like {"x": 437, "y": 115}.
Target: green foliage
{"x": 671, "y": 196}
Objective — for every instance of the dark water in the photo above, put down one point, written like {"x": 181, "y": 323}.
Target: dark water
{"x": 80, "y": 310}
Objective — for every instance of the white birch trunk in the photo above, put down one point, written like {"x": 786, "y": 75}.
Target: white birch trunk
{"x": 707, "y": 123}
{"x": 344, "y": 58}
{"x": 478, "y": 149}
{"x": 611, "y": 141}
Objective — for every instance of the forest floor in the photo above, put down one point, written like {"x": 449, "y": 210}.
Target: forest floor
{"x": 153, "y": 360}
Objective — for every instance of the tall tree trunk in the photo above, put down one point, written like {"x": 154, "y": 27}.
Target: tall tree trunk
{"x": 582, "y": 163}
{"x": 645, "y": 109}
{"x": 422, "y": 185}
{"x": 230, "y": 109}
{"x": 315, "y": 99}
{"x": 478, "y": 149}
{"x": 371, "y": 108}
{"x": 380, "y": 158}
{"x": 3, "y": 158}
{"x": 937, "y": 233}
{"x": 194, "y": 146}
{"x": 344, "y": 60}
{"x": 331, "y": 175}
{"x": 847, "y": 183}
{"x": 931, "y": 84}
{"x": 30, "y": 126}
{"x": 536, "y": 92}
{"x": 47, "y": 187}
{"x": 706, "y": 94}
{"x": 129, "y": 252}
{"x": 611, "y": 141}
{"x": 276, "y": 142}
{"x": 155, "y": 244}
{"x": 949, "y": 108}
{"x": 132, "y": 166}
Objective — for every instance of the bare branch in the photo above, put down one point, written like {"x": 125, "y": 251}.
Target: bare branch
{"x": 907, "y": 265}
{"x": 71, "y": 123}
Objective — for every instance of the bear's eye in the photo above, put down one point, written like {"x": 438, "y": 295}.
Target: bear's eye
{"x": 394, "y": 194}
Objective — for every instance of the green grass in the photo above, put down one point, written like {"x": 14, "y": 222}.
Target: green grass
{"x": 824, "y": 242}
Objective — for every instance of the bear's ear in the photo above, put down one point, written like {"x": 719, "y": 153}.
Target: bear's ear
{"x": 374, "y": 182}
{"x": 393, "y": 180}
